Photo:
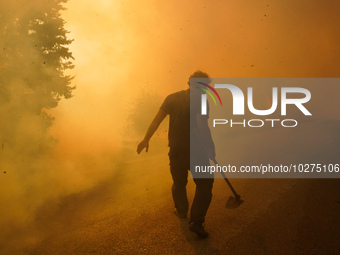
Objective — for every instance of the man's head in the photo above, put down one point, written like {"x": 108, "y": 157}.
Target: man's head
{"x": 199, "y": 74}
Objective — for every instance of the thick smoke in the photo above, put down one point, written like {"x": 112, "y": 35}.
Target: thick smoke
{"x": 128, "y": 56}
{"x": 34, "y": 56}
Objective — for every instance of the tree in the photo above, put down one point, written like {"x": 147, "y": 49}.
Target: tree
{"x": 34, "y": 58}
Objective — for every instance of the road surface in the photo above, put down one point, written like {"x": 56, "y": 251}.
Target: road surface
{"x": 279, "y": 216}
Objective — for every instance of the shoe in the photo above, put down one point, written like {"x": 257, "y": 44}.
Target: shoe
{"x": 180, "y": 215}
{"x": 198, "y": 229}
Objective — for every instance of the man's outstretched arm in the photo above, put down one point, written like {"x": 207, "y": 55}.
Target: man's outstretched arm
{"x": 151, "y": 130}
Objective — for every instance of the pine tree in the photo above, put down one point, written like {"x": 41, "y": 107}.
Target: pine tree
{"x": 33, "y": 60}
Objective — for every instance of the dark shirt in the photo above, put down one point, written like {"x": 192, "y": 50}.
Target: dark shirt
{"x": 177, "y": 105}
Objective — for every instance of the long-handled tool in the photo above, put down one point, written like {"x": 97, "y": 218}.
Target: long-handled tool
{"x": 233, "y": 202}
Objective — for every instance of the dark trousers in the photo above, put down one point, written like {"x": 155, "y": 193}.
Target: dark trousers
{"x": 179, "y": 168}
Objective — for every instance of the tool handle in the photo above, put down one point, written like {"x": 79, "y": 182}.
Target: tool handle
{"x": 237, "y": 196}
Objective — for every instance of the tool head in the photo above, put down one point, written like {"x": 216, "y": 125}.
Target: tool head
{"x": 233, "y": 202}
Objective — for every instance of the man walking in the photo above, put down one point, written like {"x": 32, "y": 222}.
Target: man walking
{"x": 177, "y": 105}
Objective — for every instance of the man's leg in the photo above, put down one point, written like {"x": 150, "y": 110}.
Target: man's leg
{"x": 202, "y": 199}
{"x": 179, "y": 173}
{"x": 200, "y": 206}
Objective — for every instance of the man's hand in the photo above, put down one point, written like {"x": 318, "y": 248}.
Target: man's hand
{"x": 151, "y": 130}
{"x": 143, "y": 144}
